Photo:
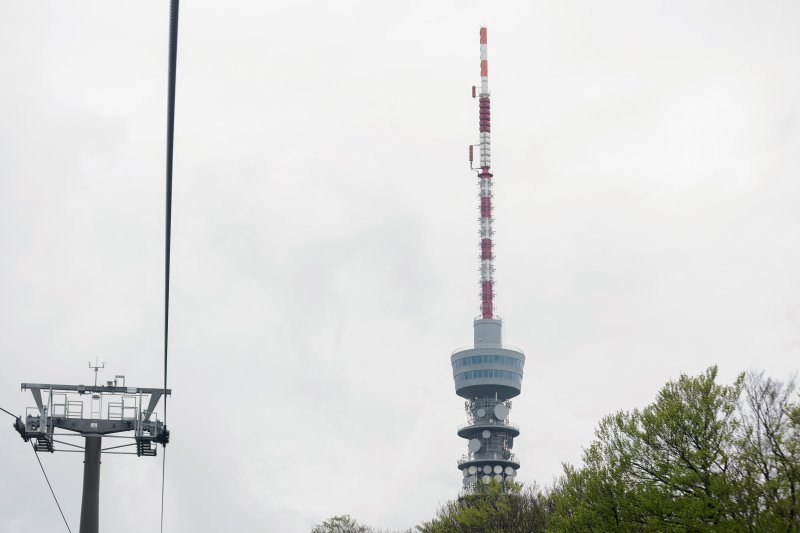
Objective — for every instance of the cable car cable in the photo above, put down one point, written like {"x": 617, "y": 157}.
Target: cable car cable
{"x": 173, "y": 57}
{"x": 51, "y": 487}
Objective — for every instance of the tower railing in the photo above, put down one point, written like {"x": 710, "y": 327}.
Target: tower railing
{"x": 473, "y": 347}
{"x": 493, "y": 456}
{"x": 492, "y": 422}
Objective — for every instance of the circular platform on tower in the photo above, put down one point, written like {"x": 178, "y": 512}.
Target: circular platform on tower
{"x": 486, "y": 371}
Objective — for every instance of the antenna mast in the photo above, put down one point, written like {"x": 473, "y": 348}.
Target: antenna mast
{"x": 485, "y": 176}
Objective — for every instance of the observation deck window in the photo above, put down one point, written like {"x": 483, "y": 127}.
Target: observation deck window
{"x": 489, "y": 373}
{"x": 488, "y": 360}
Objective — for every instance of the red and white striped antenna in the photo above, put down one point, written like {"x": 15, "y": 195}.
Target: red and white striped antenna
{"x": 485, "y": 184}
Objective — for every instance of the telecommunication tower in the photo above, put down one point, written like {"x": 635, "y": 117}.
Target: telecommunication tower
{"x": 488, "y": 374}
{"x": 113, "y": 410}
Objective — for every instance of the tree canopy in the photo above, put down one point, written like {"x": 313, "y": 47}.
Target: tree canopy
{"x": 341, "y": 524}
{"x": 703, "y": 457}
{"x": 493, "y": 508}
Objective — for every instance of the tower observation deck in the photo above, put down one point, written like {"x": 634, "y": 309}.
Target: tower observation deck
{"x": 488, "y": 374}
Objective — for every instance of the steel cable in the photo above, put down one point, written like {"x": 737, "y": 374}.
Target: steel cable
{"x": 163, "y": 467}
{"x": 173, "y": 57}
{"x": 43, "y": 472}
{"x": 51, "y": 487}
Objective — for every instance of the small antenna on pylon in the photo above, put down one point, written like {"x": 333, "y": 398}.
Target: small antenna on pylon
{"x": 96, "y": 367}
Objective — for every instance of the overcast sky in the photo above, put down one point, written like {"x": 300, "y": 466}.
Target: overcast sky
{"x": 325, "y": 226}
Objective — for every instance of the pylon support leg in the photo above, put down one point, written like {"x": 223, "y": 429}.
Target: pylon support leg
{"x": 90, "y": 504}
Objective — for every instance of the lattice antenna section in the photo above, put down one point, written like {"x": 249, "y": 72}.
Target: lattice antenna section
{"x": 485, "y": 186}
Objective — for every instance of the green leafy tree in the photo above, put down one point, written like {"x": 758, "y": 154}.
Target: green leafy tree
{"x": 703, "y": 457}
{"x": 769, "y": 459}
{"x": 493, "y": 508}
{"x": 341, "y": 524}
{"x": 663, "y": 468}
